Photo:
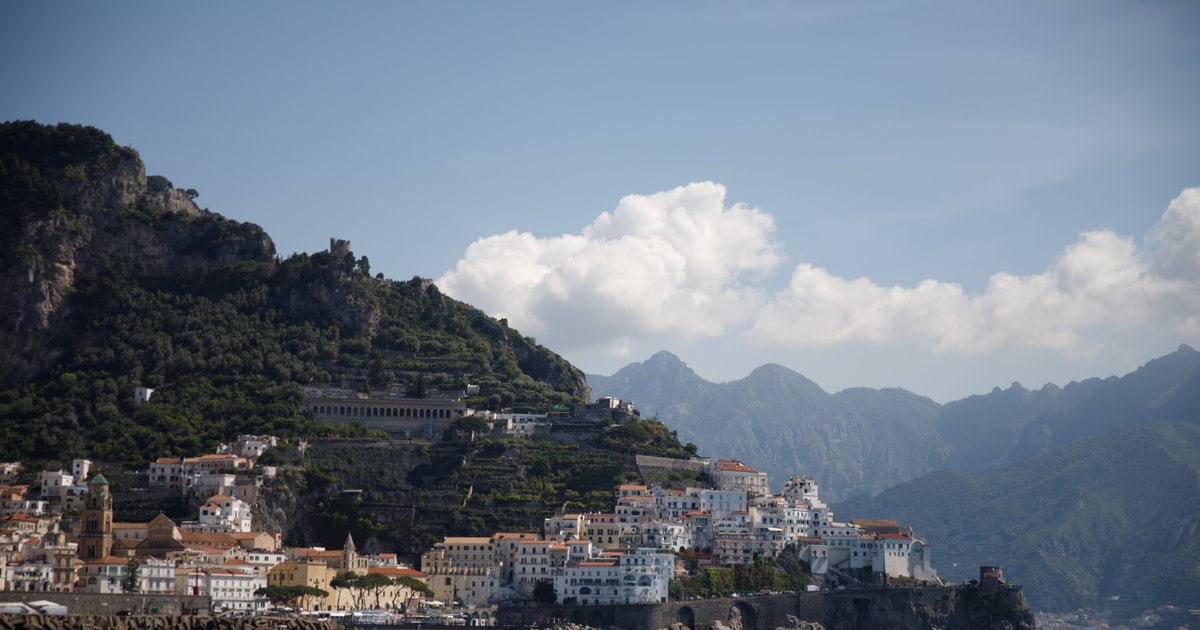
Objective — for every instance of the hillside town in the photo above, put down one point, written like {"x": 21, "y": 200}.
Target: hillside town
{"x": 59, "y": 533}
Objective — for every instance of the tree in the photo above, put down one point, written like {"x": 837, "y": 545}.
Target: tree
{"x": 544, "y": 593}
{"x": 192, "y": 193}
{"x": 418, "y": 388}
{"x": 130, "y": 583}
{"x": 364, "y": 265}
{"x": 376, "y": 583}
{"x": 289, "y": 594}
{"x": 415, "y": 584}
{"x": 342, "y": 581}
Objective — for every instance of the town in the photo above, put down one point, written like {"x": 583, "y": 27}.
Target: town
{"x": 59, "y": 533}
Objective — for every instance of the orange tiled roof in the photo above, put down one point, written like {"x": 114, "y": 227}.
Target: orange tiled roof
{"x": 108, "y": 560}
{"x": 214, "y": 540}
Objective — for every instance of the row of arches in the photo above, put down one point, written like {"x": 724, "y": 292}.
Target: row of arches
{"x": 353, "y": 411}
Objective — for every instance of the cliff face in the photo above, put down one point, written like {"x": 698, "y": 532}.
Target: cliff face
{"x": 966, "y": 607}
{"x": 76, "y": 205}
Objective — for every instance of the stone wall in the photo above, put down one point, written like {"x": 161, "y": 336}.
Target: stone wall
{"x": 98, "y": 604}
{"x": 966, "y": 607}
{"x": 156, "y": 622}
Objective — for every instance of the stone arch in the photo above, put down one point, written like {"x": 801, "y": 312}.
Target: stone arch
{"x": 742, "y": 615}
{"x": 686, "y": 616}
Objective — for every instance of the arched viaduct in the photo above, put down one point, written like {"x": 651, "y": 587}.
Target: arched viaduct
{"x": 766, "y": 611}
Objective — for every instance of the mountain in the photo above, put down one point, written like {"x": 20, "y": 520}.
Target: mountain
{"x": 864, "y": 440}
{"x": 1166, "y": 388}
{"x": 111, "y": 280}
{"x": 858, "y": 440}
{"x": 1110, "y": 516}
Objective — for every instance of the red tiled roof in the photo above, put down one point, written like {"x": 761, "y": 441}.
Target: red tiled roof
{"x": 108, "y": 560}
{"x": 735, "y": 467}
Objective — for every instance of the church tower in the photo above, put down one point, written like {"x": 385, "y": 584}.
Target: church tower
{"x": 95, "y": 527}
{"x": 351, "y": 561}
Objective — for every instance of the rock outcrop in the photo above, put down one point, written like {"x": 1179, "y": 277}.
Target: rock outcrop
{"x": 79, "y": 205}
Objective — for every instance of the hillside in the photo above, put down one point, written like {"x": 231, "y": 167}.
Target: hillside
{"x": 1112, "y": 516}
{"x": 408, "y": 496}
{"x": 113, "y": 280}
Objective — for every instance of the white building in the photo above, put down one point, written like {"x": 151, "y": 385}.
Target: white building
{"x": 637, "y": 577}
{"x": 10, "y": 472}
{"x": 223, "y": 514}
{"x": 53, "y": 482}
{"x": 230, "y": 589}
{"x": 730, "y": 474}
{"x": 536, "y": 561}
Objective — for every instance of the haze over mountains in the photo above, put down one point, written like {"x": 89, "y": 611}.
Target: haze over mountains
{"x": 1084, "y": 492}
{"x": 862, "y": 441}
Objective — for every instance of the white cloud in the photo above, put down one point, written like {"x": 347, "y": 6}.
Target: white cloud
{"x": 668, "y": 265}
{"x": 1102, "y": 282}
{"x": 681, "y": 266}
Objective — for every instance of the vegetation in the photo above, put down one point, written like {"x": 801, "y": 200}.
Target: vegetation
{"x": 408, "y": 496}
{"x": 544, "y": 593}
{"x": 375, "y": 584}
{"x": 130, "y": 583}
{"x": 227, "y": 345}
{"x": 1108, "y": 517}
{"x": 291, "y": 595}
{"x": 648, "y": 437}
{"x": 783, "y": 573}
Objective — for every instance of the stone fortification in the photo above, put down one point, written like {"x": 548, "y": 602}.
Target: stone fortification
{"x": 157, "y": 622}
{"x": 962, "y": 607}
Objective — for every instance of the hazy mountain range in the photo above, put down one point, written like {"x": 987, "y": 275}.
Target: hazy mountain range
{"x": 1086, "y": 492}
{"x": 862, "y": 440}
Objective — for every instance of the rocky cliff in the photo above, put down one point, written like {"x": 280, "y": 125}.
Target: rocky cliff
{"x": 76, "y": 206}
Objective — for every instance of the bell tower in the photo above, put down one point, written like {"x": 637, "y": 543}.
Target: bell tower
{"x": 95, "y": 526}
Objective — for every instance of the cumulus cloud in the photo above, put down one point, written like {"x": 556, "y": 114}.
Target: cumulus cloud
{"x": 671, "y": 265}
{"x": 1101, "y": 282}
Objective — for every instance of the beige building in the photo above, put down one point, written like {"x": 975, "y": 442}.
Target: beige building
{"x": 386, "y": 411}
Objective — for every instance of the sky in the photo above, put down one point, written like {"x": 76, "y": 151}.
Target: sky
{"x": 939, "y": 196}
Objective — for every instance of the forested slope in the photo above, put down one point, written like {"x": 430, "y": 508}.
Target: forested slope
{"x": 112, "y": 280}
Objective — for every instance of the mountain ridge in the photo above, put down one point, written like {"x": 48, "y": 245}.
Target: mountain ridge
{"x": 979, "y": 432}
{"x": 1114, "y": 515}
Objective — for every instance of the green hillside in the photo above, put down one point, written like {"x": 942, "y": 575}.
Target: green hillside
{"x": 1114, "y": 516}
{"x": 113, "y": 281}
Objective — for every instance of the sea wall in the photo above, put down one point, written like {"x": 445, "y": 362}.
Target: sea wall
{"x": 156, "y": 622}
{"x": 963, "y": 607}
{"x": 98, "y": 604}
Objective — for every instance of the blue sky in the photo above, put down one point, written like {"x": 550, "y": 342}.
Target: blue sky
{"x": 940, "y": 196}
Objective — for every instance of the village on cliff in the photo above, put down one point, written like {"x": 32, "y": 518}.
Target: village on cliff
{"x": 59, "y": 533}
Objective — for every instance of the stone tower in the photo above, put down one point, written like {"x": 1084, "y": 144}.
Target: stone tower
{"x": 339, "y": 247}
{"x": 95, "y": 522}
